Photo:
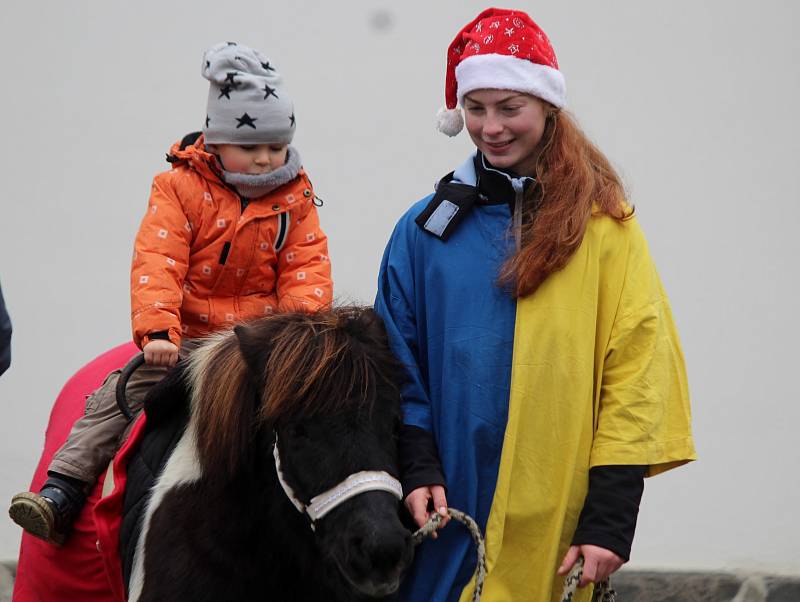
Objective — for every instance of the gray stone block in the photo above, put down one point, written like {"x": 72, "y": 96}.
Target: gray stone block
{"x": 7, "y": 574}
{"x": 783, "y": 589}
{"x": 658, "y": 586}
{"x": 675, "y": 587}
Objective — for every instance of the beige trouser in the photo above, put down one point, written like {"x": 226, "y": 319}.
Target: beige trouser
{"x": 96, "y": 436}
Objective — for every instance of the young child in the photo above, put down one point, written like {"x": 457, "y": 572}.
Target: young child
{"x": 231, "y": 233}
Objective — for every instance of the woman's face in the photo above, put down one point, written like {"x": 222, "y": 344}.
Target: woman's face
{"x": 506, "y": 126}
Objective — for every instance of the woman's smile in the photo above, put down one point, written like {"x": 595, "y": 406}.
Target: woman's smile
{"x": 499, "y": 147}
{"x": 507, "y": 127}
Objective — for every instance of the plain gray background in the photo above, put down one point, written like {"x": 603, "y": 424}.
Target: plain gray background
{"x": 695, "y": 103}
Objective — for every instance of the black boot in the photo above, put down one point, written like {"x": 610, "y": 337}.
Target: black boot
{"x": 50, "y": 513}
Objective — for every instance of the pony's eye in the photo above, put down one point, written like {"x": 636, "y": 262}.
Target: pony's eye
{"x": 298, "y": 430}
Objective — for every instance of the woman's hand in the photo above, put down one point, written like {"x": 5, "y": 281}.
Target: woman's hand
{"x": 598, "y": 563}
{"x": 159, "y": 352}
{"x": 422, "y": 499}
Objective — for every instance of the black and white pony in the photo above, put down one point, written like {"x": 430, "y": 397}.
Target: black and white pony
{"x": 283, "y": 483}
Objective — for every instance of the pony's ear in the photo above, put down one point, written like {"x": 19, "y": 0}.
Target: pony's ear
{"x": 254, "y": 346}
{"x": 370, "y": 324}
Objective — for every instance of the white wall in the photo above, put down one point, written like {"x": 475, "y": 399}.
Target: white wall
{"x": 696, "y": 102}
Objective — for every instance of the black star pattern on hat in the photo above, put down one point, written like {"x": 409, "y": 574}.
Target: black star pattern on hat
{"x": 292, "y": 120}
{"x": 231, "y": 43}
{"x": 207, "y": 120}
{"x": 229, "y": 79}
{"x": 269, "y": 92}
{"x": 246, "y": 120}
{"x": 266, "y": 67}
{"x": 225, "y": 91}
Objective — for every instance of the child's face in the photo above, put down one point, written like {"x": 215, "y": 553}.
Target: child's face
{"x": 252, "y": 159}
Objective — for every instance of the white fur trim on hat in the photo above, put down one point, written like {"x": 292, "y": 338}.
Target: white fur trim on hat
{"x": 449, "y": 121}
{"x": 505, "y": 72}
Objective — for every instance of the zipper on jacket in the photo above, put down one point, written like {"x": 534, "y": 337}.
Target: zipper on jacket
{"x": 283, "y": 230}
{"x": 224, "y": 255}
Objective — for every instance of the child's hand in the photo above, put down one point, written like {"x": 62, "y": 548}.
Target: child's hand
{"x": 159, "y": 352}
{"x": 422, "y": 499}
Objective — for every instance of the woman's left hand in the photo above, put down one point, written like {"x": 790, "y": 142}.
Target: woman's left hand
{"x": 598, "y": 563}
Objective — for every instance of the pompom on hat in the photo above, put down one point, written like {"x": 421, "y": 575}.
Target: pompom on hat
{"x": 500, "y": 49}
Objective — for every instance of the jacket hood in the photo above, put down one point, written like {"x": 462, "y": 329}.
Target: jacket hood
{"x": 191, "y": 149}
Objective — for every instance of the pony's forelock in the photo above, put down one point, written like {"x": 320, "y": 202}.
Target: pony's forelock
{"x": 314, "y": 363}
{"x": 321, "y": 363}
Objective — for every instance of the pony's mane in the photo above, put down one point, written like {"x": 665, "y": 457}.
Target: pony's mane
{"x": 284, "y": 366}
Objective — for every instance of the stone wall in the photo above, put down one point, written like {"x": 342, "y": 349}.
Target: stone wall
{"x": 640, "y": 586}
{"x": 656, "y": 586}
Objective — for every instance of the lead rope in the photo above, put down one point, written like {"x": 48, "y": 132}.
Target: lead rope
{"x": 602, "y": 591}
{"x": 433, "y": 522}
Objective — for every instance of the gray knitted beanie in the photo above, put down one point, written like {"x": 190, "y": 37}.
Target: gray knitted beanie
{"x": 246, "y": 101}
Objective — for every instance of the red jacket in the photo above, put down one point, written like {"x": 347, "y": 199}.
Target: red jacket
{"x": 201, "y": 263}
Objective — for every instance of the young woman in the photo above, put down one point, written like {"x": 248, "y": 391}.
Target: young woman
{"x": 546, "y": 376}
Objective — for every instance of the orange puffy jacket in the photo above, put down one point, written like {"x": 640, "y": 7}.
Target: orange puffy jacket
{"x": 202, "y": 263}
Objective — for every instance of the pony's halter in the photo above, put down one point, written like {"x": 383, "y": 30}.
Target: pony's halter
{"x": 355, "y": 484}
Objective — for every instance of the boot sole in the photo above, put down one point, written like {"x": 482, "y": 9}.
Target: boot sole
{"x": 32, "y": 513}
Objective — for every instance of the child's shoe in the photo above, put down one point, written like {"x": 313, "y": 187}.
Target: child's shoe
{"x": 50, "y": 513}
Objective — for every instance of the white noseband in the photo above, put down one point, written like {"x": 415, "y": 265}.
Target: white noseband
{"x": 355, "y": 484}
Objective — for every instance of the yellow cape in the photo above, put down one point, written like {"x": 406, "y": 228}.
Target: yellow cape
{"x": 598, "y": 379}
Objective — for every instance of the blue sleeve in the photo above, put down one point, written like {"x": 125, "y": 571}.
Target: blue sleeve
{"x": 5, "y": 336}
{"x": 396, "y": 302}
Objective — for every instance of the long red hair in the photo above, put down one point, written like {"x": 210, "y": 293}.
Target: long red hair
{"x": 574, "y": 180}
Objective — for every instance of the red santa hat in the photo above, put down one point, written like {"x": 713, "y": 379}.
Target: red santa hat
{"x": 504, "y": 50}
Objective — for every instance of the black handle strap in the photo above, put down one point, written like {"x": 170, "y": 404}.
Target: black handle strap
{"x": 135, "y": 362}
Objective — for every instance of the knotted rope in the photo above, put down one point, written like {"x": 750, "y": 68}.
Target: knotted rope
{"x": 602, "y": 591}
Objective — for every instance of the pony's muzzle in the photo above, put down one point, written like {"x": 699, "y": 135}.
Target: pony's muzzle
{"x": 388, "y": 554}
{"x": 375, "y": 565}
{"x": 377, "y": 550}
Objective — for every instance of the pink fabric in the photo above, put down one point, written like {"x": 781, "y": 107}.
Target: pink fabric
{"x": 76, "y": 571}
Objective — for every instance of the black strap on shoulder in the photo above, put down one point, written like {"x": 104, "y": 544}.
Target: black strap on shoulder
{"x": 190, "y": 139}
{"x": 448, "y": 208}
{"x": 187, "y": 140}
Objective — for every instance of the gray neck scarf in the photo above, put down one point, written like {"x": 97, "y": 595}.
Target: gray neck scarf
{"x": 252, "y": 186}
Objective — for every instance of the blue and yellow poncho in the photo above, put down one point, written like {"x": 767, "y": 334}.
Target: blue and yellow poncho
{"x": 524, "y": 396}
